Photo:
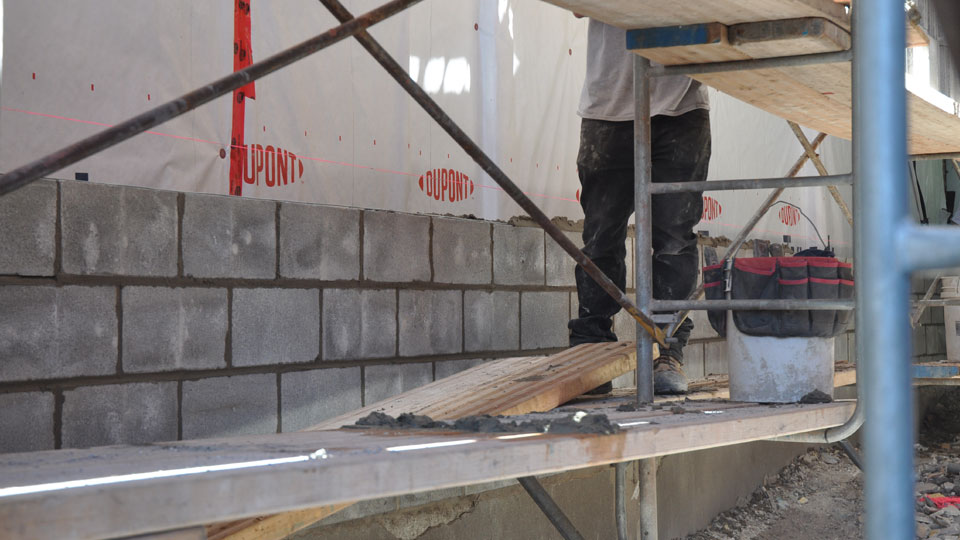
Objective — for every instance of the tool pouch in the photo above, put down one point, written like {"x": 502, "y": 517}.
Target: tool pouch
{"x": 782, "y": 278}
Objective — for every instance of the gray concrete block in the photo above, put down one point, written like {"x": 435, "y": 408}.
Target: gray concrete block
{"x": 558, "y": 264}
{"x": 936, "y": 340}
{"x": 701, "y": 326}
{"x": 693, "y": 361}
{"x": 715, "y": 358}
{"x": 452, "y": 367}
{"x": 543, "y": 320}
{"x": 918, "y": 339}
{"x": 840, "y": 348}
{"x": 431, "y": 322}
{"x": 275, "y": 326}
{"x": 229, "y": 406}
{"x": 118, "y": 230}
{"x": 137, "y": 413}
{"x": 517, "y": 255}
{"x": 382, "y": 382}
{"x": 461, "y": 251}
{"x": 26, "y": 422}
{"x": 491, "y": 320}
{"x": 310, "y": 397}
{"x": 319, "y": 242}
{"x": 918, "y": 284}
{"x": 627, "y": 380}
{"x": 359, "y": 324}
{"x": 55, "y": 332}
{"x": 28, "y": 224}
{"x": 624, "y": 326}
{"x": 631, "y": 266}
{"x": 574, "y": 305}
{"x": 396, "y": 247}
{"x": 361, "y": 509}
{"x": 229, "y": 237}
{"x": 166, "y": 329}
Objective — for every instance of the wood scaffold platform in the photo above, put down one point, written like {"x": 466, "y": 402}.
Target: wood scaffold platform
{"x": 815, "y": 96}
{"x": 127, "y": 490}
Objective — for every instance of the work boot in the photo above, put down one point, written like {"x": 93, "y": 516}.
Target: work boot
{"x": 668, "y": 376}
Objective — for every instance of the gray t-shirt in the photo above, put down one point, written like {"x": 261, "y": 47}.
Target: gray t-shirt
{"x": 608, "y": 87}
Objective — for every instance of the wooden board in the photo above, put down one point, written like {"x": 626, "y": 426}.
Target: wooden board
{"x": 628, "y": 14}
{"x": 509, "y": 386}
{"x": 502, "y": 387}
{"x": 818, "y": 96}
{"x": 353, "y": 465}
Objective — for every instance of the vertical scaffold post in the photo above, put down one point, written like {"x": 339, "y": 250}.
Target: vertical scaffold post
{"x": 643, "y": 263}
{"x": 643, "y": 278}
{"x": 647, "y": 476}
{"x": 882, "y": 288}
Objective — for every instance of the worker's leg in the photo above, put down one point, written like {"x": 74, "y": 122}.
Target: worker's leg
{"x": 681, "y": 153}
{"x": 605, "y": 165}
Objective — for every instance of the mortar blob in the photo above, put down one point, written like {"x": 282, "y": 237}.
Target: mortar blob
{"x": 775, "y": 369}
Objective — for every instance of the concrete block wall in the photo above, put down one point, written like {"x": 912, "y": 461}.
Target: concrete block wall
{"x": 130, "y": 315}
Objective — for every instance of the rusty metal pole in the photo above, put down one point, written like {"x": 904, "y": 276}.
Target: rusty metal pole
{"x": 480, "y": 157}
{"x": 111, "y": 136}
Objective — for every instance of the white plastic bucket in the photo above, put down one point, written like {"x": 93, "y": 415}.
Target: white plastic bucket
{"x": 950, "y": 288}
{"x": 777, "y": 370}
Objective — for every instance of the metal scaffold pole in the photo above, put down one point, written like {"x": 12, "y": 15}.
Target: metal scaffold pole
{"x": 643, "y": 276}
{"x": 882, "y": 285}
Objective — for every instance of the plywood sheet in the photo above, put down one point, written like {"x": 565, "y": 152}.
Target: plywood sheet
{"x": 816, "y": 96}
{"x": 629, "y": 14}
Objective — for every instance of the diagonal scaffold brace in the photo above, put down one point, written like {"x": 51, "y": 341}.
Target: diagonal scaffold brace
{"x": 480, "y": 157}
{"x": 21, "y": 176}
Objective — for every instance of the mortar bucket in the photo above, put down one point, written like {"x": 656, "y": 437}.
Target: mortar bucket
{"x": 950, "y": 288}
{"x": 777, "y": 370}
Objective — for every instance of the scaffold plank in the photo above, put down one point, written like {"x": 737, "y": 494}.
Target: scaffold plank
{"x": 128, "y": 490}
{"x": 630, "y": 14}
{"x": 815, "y": 96}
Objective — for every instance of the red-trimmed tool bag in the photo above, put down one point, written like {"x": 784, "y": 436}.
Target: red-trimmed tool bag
{"x": 788, "y": 278}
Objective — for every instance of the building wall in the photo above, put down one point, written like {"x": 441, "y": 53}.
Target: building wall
{"x": 130, "y": 315}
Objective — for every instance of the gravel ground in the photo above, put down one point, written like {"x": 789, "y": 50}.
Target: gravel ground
{"x": 820, "y": 495}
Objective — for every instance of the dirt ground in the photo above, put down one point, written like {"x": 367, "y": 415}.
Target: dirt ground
{"x": 820, "y": 495}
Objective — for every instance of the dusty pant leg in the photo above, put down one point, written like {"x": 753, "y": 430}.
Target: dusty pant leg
{"x": 681, "y": 153}
{"x": 605, "y": 164}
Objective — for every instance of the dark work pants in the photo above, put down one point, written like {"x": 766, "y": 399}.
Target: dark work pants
{"x": 680, "y": 153}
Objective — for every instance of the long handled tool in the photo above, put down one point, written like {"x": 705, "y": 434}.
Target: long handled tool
{"x": 403, "y": 79}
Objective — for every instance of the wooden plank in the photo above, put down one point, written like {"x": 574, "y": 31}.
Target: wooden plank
{"x": 935, "y": 370}
{"x": 916, "y": 36}
{"x": 819, "y": 96}
{"x": 193, "y": 533}
{"x": 354, "y": 465}
{"x": 630, "y": 14}
{"x": 508, "y": 386}
{"x": 275, "y": 526}
{"x": 502, "y": 387}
